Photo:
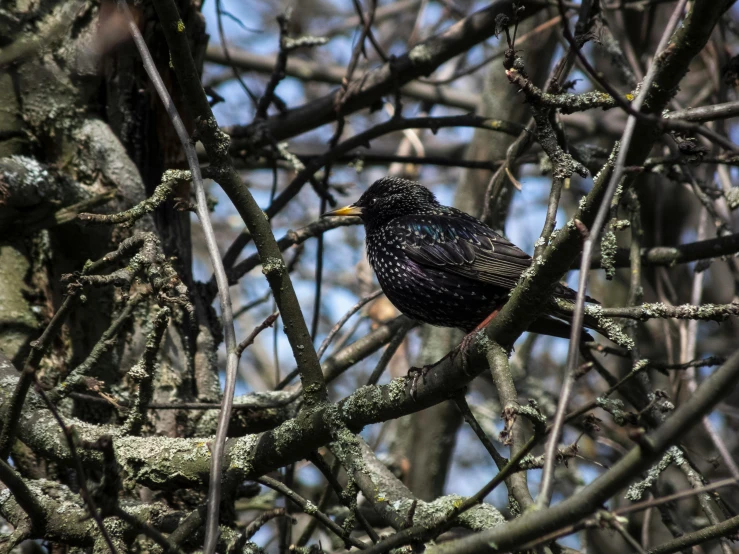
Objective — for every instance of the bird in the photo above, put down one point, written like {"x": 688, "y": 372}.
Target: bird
{"x": 439, "y": 265}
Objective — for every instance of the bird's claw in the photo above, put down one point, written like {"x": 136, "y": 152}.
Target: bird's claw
{"x": 465, "y": 344}
{"x": 414, "y": 373}
{"x": 463, "y": 349}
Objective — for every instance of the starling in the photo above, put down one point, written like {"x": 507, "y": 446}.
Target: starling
{"x": 438, "y": 264}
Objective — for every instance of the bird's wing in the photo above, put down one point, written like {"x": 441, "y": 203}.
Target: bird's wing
{"x": 463, "y": 246}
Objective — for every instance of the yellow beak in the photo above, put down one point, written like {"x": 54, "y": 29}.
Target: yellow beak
{"x": 346, "y": 210}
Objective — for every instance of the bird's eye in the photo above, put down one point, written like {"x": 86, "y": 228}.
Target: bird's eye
{"x": 374, "y": 201}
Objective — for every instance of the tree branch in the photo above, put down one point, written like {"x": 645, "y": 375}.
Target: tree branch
{"x": 421, "y": 60}
{"x": 307, "y": 70}
{"x": 536, "y": 523}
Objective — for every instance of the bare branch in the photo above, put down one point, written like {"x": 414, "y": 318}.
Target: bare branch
{"x": 214, "y": 254}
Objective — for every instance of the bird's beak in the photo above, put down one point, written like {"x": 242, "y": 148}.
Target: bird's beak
{"x": 351, "y": 209}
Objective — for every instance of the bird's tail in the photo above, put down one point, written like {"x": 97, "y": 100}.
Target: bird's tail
{"x": 558, "y": 319}
{"x": 556, "y": 323}
{"x": 566, "y": 293}
{"x": 562, "y": 308}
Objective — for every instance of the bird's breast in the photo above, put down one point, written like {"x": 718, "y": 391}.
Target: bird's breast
{"x": 427, "y": 294}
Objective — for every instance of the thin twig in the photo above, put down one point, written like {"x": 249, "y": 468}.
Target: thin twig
{"x": 291, "y": 238}
{"x": 148, "y": 530}
{"x": 28, "y": 374}
{"x": 354, "y": 352}
{"x": 23, "y": 496}
{"x": 378, "y": 48}
{"x": 319, "y": 268}
{"x": 279, "y": 71}
{"x": 76, "y": 378}
{"x": 253, "y": 304}
{"x": 232, "y": 360}
{"x": 633, "y": 109}
{"x": 227, "y": 53}
{"x": 260, "y": 521}
{"x": 80, "y": 470}
{"x": 389, "y": 352}
{"x": 143, "y": 373}
{"x": 389, "y": 126}
{"x": 658, "y": 310}
{"x": 732, "y": 523}
{"x": 244, "y": 344}
{"x": 611, "y": 520}
{"x": 310, "y": 509}
{"x": 161, "y": 194}
{"x": 496, "y": 55}
{"x": 547, "y": 481}
{"x": 339, "y": 324}
{"x": 469, "y": 417}
{"x": 323, "y": 503}
{"x": 330, "y": 476}
{"x": 358, "y": 49}
{"x": 367, "y": 158}
{"x": 422, "y": 533}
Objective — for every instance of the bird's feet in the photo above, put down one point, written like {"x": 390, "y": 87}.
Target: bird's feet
{"x": 416, "y": 373}
{"x": 463, "y": 348}
{"x": 469, "y": 339}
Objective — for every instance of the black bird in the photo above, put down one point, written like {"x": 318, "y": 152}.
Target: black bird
{"x": 438, "y": 264}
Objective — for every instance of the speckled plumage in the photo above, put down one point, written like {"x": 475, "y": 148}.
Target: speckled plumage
{"x": 435, "y": 263}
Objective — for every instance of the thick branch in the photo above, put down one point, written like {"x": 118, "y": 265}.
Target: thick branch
{"x": 656, "y": 310}
{"x": 537, "y": 523}
{"x": 216, "y": 144}
{"x": 367, "y": 90}
{"x": 307, "y": 70}
{"x": 672, "y": 255}
{"x": 680, "y": 544}
{"x": 394, "y": 124}
{"x": 706, "y": 113}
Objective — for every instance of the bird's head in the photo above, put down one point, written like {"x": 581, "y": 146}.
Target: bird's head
{"x": 388, "y": 198}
